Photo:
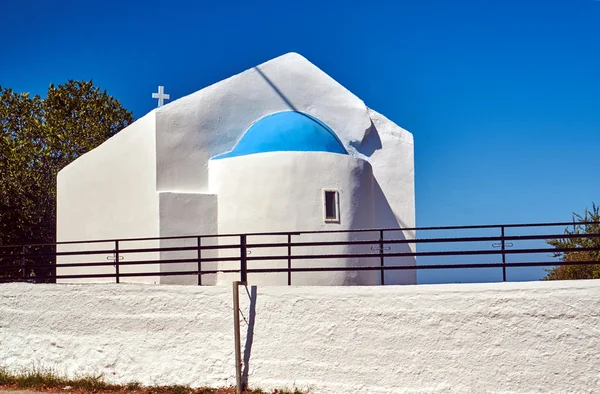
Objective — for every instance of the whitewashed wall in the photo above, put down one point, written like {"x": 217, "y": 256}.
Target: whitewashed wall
{"x": 110, "y": 193}
{"x": 197, "y": 127}
{"x": 210, "y": 122}
{"x": 187, "y": 214}
{"x": 537, "y": 337}
{"x": 283, "y": 191}
{"x": 391, "y": 153}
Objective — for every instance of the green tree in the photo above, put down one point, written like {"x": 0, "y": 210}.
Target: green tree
{"x": 579, "y": 228}
{"x": 38, "y": 137}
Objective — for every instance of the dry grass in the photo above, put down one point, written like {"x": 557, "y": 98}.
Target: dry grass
{"x": 49, "y": 381}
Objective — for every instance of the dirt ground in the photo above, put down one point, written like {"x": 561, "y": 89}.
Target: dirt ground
{"x": 229, "y": 390}
{"x": 2, "y": 391}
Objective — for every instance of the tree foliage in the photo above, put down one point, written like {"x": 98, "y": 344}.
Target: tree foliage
{"x": 580, "y": 228}
{"x": 38, "y": 137}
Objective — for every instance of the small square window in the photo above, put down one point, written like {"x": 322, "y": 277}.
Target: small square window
{"x": 331, "y": 211}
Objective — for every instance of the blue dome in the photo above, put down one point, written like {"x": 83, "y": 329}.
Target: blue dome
{"x": 287, "y": 131}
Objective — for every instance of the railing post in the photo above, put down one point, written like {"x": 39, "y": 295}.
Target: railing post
{"x": 243, "y": 260}
{"x": 381, "y": 257}
{"x": 199, "y": 261}
{"x": 503, "y": 255}
{"x": 23, "y": 272}
{"x": 117, "y": 277}
{"x": 289, "y": 250}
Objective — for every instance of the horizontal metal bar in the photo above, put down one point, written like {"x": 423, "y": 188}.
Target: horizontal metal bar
{"x": 325, "y": 243}
{"x": 492, "y": 238}
{"x": 307, "y": 244}
{"x": 424, "y": 254}
{"x": 122, "y": 251}
{"x": 304, "y": 244}
{"x": 49, "y": 254}
{"x": 16, "y": 266}
{"x": 421, "y": 267}
{"x": 176, "y": 261}
{"x": 498, "y": 226}
{"x": 423, "y": 240}
{"x": 317, "y": 269}
{"x": 113, "y": 275}
{"x": 181, "y": 248}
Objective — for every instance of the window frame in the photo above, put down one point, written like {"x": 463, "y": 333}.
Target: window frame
{"x": 336, "y": 196}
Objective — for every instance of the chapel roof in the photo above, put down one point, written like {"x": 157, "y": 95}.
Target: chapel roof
{"x": 287, "y": 131}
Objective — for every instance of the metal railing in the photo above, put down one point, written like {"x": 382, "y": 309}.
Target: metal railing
{"x": 383, "y": 250}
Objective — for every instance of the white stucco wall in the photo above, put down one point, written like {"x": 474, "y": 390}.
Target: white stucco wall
{"x": 283, "y": 191}
{"x": 187, "y": 214}
{"x": 110, "y": 193}
{"x": 537, "y": 337}
{"x": 211, "y": 121}
{"x": 391, "y": 154}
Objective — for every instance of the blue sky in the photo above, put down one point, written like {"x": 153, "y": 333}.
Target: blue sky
{"x": 503, "y": 97}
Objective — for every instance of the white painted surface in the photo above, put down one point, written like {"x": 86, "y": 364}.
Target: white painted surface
{"x": 394, "y": 189}
{"x": 110, "y": 193}
{"x": 537, "y": 337}
{"x": 115, "y": 188}
{"x": 183, "y": 214}
{"x": 279, "y": 191}
{"x": 211, "y": 121}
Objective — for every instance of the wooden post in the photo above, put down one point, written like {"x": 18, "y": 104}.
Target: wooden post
{"x": 236, "y": 333}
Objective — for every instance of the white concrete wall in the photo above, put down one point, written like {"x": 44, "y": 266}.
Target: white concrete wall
{"x": 110, "y": 193}
{"x": 390, "y": 150}
{"x": 211, "y": 121}
{"x": 187, "y": 214}
{"x": 537, "y": 337}
{"x": 283, "y": 191}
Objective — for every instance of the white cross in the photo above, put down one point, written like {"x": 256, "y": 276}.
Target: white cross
{"x": 161, "y": 96}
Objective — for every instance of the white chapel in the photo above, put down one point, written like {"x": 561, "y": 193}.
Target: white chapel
{"x": 280, "y": 147}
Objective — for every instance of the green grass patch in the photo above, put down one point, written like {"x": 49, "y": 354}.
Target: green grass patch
{"x": 38, "y": 378}
{"x": 48, "y": 380}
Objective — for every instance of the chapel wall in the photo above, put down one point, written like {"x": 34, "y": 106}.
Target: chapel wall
{"x": 283, "y": 191}
{"x": 110, "y": 193}
{"x": 210, "y": 122}
{"x": 188, "y": 214}
{"x": 391, "y": 153}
